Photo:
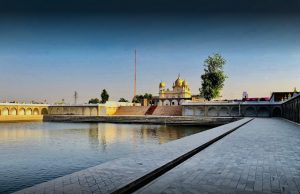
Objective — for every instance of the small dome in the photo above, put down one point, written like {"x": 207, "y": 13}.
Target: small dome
{"x": 162, "y": 84}
{"x": 178, "y": 82}
{"x": 185, "y": 83}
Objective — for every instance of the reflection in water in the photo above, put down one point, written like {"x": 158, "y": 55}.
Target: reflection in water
{"x": 36, "y": 152}
{"x": 101, "y": 135}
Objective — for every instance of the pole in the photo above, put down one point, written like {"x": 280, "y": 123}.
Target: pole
{"x": 75, "y": 97}
{"x": 134, "y": 90}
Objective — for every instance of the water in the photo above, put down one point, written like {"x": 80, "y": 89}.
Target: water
{"x": 31, "y": 153}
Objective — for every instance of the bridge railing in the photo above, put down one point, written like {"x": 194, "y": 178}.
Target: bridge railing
{"x": 291, "y": 109}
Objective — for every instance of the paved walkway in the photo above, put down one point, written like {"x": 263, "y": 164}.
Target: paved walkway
{"x": 260, "y": 157}
{"x": 115, "y": 174}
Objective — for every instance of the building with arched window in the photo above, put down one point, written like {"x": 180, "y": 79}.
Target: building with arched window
{"x": 173, "y": 97}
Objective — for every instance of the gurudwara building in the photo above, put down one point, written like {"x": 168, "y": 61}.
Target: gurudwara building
{"x": 179, "y": 93}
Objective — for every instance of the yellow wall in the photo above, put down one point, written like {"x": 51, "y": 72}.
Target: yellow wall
{"x": 22, "y": 112}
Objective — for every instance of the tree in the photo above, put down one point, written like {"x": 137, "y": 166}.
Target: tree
{"x": 140, "y": 98}
{"x": 213, "y": 78}
{"x": 123, "y": 100}
{"x": 104, "y": 96}
{"x": 94, "y": 101}
{"x": 148, "y": 96}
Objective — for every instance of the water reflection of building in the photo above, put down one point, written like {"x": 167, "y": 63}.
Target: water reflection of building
{"x": 16, "y": 134}
{"x": 105, "y": 134}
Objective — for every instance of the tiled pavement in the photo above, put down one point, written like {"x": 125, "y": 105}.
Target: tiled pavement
{"x": 260, "y": 157}
{"x": 112, "y": 175}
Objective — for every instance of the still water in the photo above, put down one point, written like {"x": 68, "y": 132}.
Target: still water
{"x": 31, "y": 153}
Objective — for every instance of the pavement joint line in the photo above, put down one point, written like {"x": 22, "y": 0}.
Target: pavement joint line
{"x": 144, "y": 180}
{"x": 289, "y": 121}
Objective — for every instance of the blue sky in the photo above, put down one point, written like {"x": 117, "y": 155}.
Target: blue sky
{"x": 49, "y": 57}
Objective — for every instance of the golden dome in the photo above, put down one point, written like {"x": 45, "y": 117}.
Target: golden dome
{"x": 178, "y": 82}
{"x": 185, "y": 83}
{"x": 162, "y": 84}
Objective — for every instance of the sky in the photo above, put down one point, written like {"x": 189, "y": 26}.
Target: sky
{"x": 49, "y": 49}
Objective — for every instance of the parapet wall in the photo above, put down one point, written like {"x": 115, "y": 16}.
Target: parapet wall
{"x": 168, "y": 111}
{"x": 232, "y": 109}
{"x": 132, "y": 110}
{"x": 85, "y": 110}
{"x": 291, "y": 109}
{"x": 144, "y": 110}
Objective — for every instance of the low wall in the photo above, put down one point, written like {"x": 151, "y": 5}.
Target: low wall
{"x": 291, "y": 109}
{"x": 86, "y": 110}
{"x": 169, "y": 120}
{"x": 12, "y": 112}
{"x": 131, "y": 110}
{"x": 168, "y": 111}
{"x": 232, "y": 109}
{"x": 16, "y": 118}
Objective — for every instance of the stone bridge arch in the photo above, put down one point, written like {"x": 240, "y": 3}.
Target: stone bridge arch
{"x": 189, "y": 111}
{"x": 36, "y": 111}
{"x": 212, "y": 112}
{"x": 13, "y": 111}
{"x": 199, "y": 111}
{"x": 224, "y": 111}
{"x": 235, "y": 111}
{"x": 263, "y": 112}
{"x": 5, "y": 111}
{"x": 28, "y": 111}
{"x": 86, "y": 111}
{"x": 44, "y": 111}
{"x": 94, "y": 111}
{"x": 21, "y": 111}
{"x": 276, "y": 112}
{"x": 250, "y": 112}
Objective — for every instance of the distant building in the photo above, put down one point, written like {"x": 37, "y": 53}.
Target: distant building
{"x": 197, "y": 98}
{"x": 180, "y": 91}
{"x": 282, "y": 96}
{"x": 245, "y": 95}
{"x": 256, "y": 99}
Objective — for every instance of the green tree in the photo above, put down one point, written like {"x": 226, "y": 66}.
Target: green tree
{"x": 104, "y": 96}
{"x": 123, "y": 100}
{"x": 140, "y": 98}
{"x": 213, "y": 78}
{"x": 148, "y": 96}
{"x": 94, "y": 101}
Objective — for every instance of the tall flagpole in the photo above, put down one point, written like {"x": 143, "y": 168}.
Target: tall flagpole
{"x": 134, "y": 90}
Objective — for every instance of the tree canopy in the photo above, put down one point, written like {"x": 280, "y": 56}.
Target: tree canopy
{"x": 140, "y": 98}
{"x": 213, "y": 78}
{"x": 104, "y": 96}
{"x": 123, "y": 100}
{"x": 94, "y": 101}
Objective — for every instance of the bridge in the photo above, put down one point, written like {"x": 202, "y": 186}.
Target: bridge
{"x": 289, "y": 109}
{"x": 22, "y": 112}
{"x": 264, "y": 109}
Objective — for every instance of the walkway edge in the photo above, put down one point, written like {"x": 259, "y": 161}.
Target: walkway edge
{"x": 144, "y": 180}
